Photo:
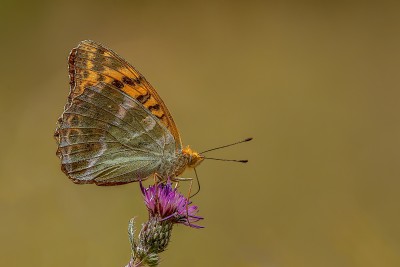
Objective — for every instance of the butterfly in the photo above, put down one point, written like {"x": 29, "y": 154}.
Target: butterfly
{"x": 115, "y": 128}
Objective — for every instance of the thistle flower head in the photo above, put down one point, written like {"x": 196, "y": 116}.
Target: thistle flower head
{"x": 168, "y": 204}
{"x": 166, "y": 207}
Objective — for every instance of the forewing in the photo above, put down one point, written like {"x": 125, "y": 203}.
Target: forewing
{"x": 108, "y": 138}
{"x": 91, "y": 63}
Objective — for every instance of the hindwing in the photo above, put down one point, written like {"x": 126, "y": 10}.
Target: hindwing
{"x": 107, "y": 137}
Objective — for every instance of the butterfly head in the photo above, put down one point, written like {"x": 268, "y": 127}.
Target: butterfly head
{"x": 194, "y": 158}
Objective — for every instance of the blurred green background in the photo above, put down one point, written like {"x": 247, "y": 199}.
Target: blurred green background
{"x": 315, "y": 83}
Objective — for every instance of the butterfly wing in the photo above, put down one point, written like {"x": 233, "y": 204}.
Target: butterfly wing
{"x": 91, "y": 63}
{"x": 108, "y": 138}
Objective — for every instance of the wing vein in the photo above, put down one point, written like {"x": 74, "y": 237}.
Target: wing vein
{"x": 138, "y": 122}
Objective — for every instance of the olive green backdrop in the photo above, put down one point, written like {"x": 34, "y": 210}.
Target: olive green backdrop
{"x": 315, "y": 83}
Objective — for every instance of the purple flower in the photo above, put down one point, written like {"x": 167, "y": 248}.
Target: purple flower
{"x": 168, "y": 204}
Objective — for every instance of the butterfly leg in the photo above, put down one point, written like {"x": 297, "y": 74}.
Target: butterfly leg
{"x": 176, "y": 185}
{"x": 178, "y": 179}
{"x": 190, "y": 179}
{"x": 188, "y": 201}
{"x": 157, "y": 178}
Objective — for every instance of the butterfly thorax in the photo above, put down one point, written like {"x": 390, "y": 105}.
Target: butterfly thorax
{"x": 186, "y": 158}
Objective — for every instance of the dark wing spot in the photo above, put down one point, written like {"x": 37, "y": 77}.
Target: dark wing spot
{"x": 74, "y": 120}
{"x": 138, "y": 80}
{"x": 155, "y": 107}
{"x": 85, "y": 74}
{"x": 71, "y": 65}
{"x": 117, "y": 84}
{"x": 64, "y": 168}
{"x": 100, "y": 78}
{"x": 143, "y": 98}
{"x": 128, "y": 80}
{"x": 160, "y": 117}
{"x": 57, "y": 134}
{"x": 98, "y": 66}
{"x": 90, "y": 146}
{"x": 99, "y": 57}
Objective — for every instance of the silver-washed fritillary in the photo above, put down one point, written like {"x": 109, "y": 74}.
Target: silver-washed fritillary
{"x": 115, "y": 128}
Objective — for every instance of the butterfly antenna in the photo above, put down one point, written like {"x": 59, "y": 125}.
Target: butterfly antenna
{"x": 234, "y": 160}
{"x": 245, "y": 140}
